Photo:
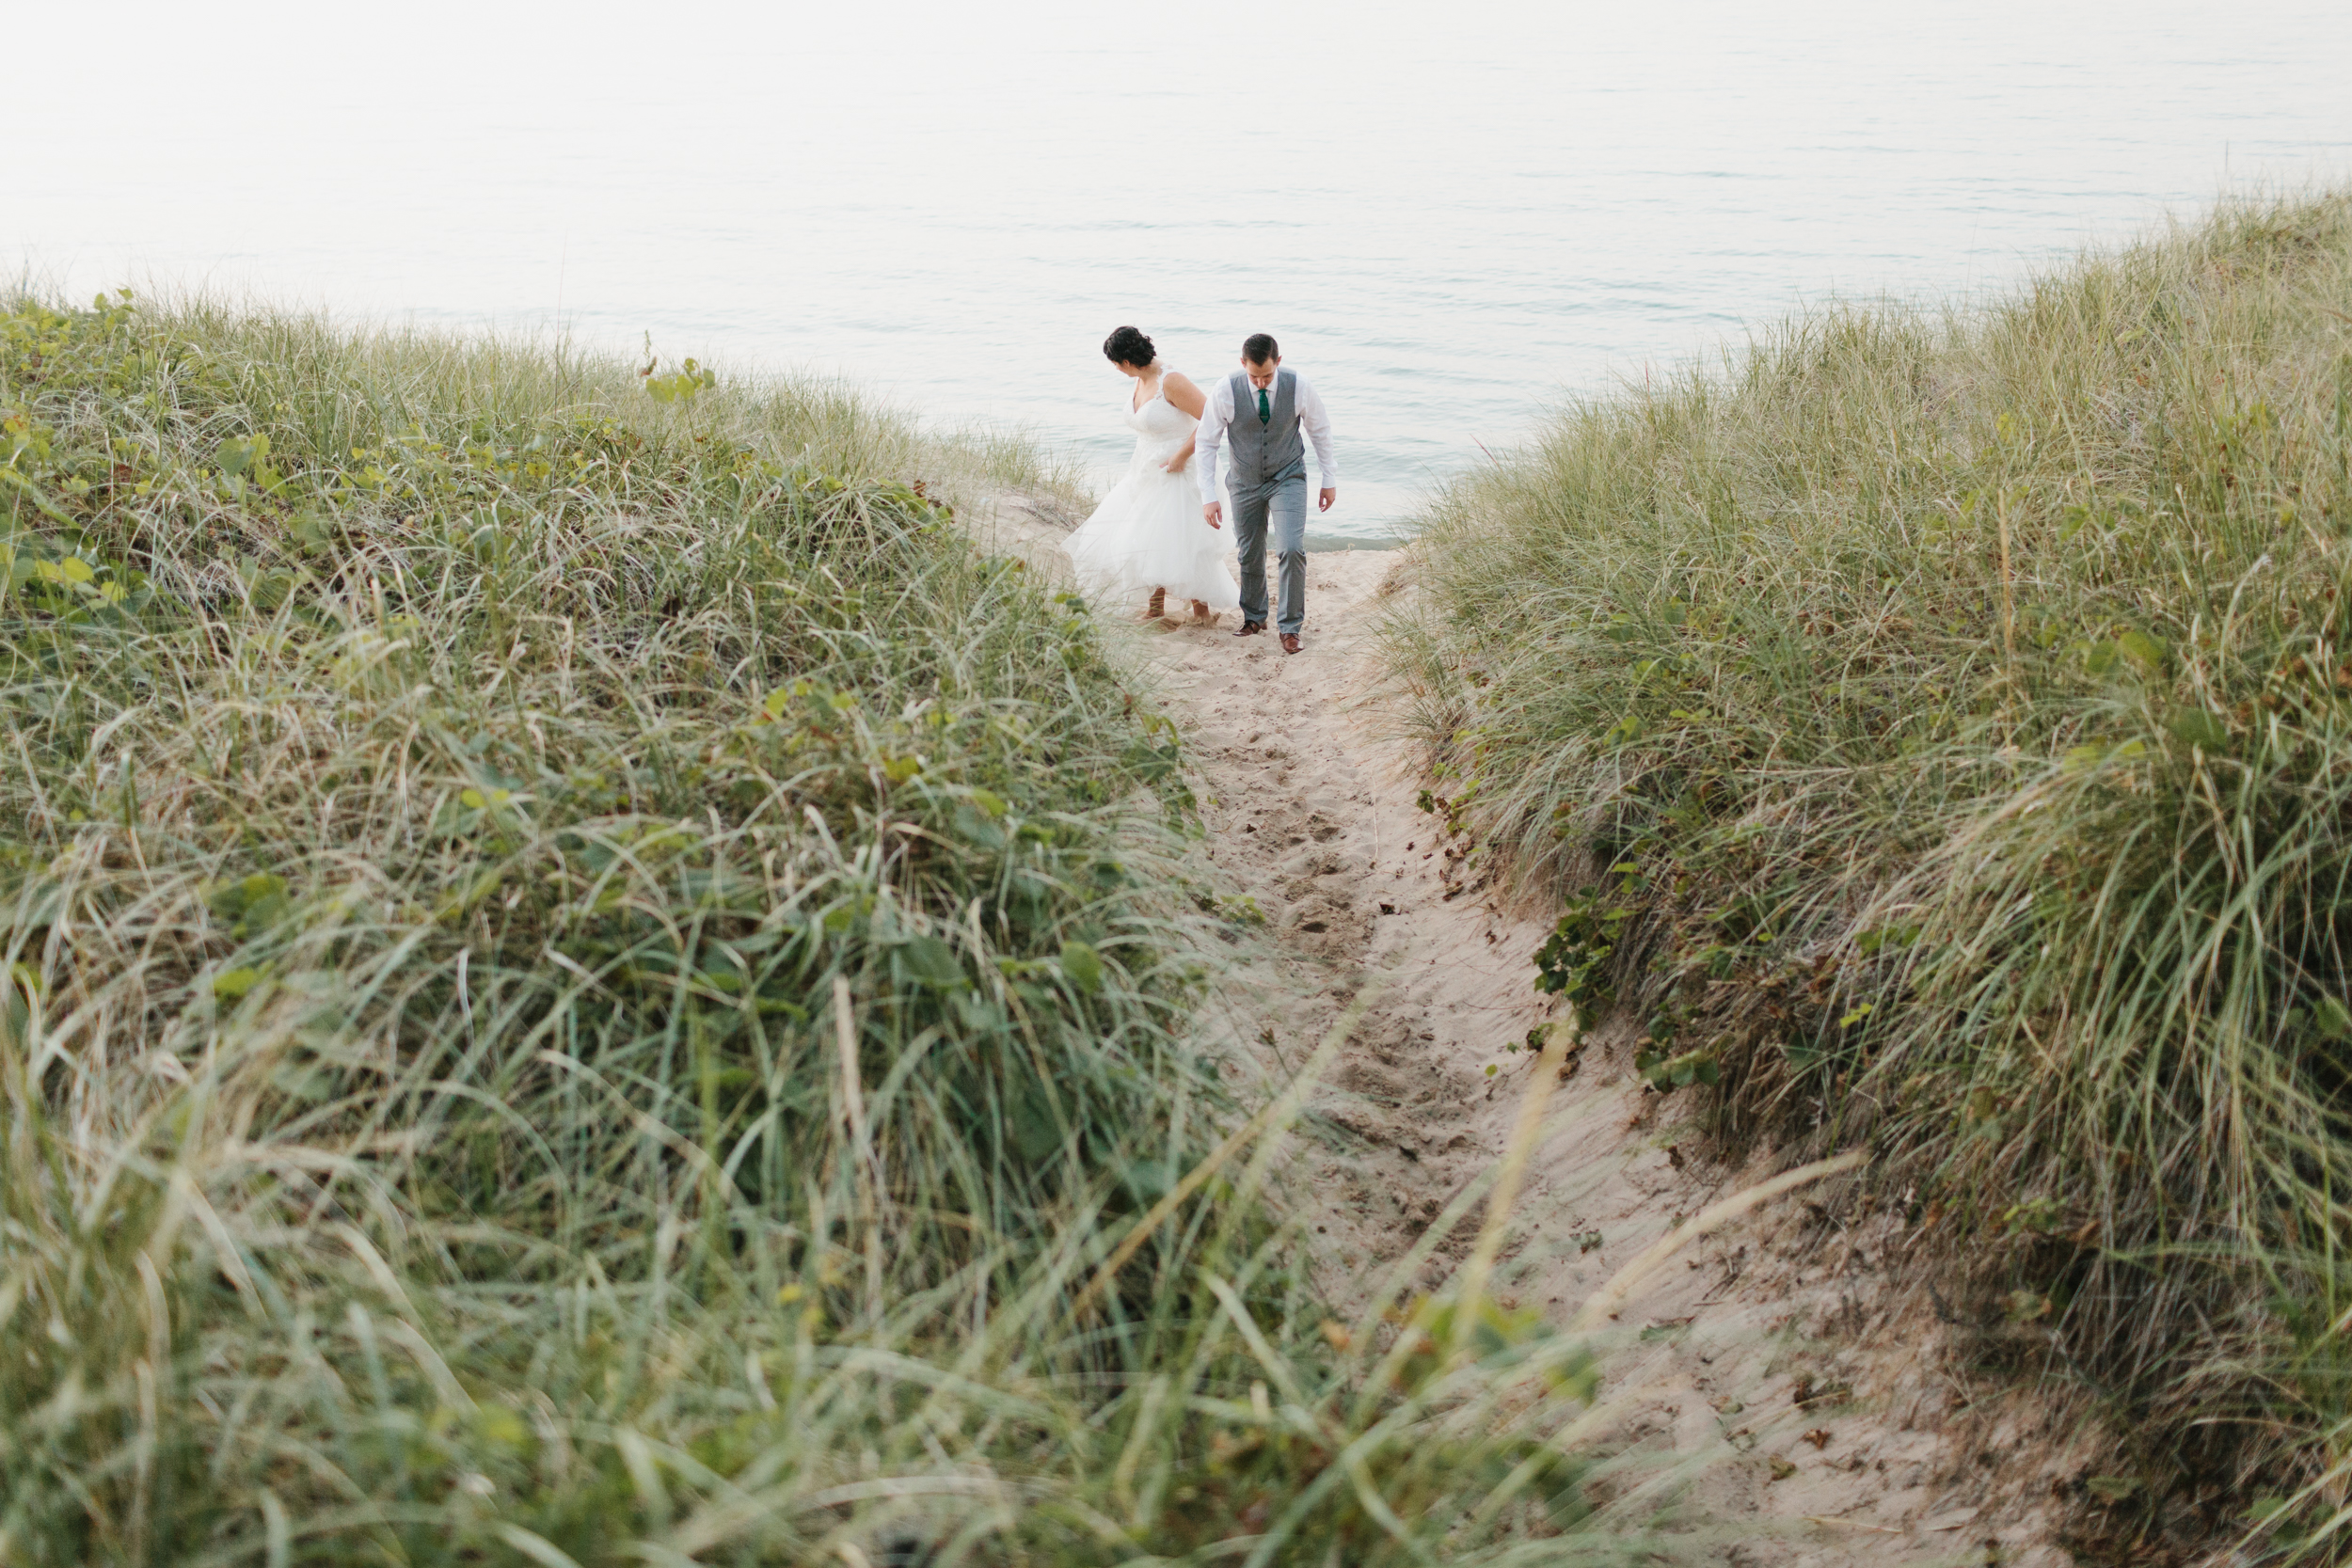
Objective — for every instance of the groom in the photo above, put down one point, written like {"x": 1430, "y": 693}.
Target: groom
{"x": 1259, "y": 409}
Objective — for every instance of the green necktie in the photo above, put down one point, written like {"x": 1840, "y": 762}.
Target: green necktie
{"x": 1266, "y": 413}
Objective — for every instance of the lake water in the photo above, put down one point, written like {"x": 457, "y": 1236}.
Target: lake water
{"x": 1449, "y": 214}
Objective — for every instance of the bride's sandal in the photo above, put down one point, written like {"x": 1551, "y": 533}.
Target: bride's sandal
{"x": 1157, "y": 608}
{"x": 1200, "y": 616}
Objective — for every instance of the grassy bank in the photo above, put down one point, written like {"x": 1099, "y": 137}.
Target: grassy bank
{"x": 588, "y": 982}
{"x": 1939, "y": 727}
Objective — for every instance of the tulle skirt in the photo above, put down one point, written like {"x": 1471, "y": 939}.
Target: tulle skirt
{"x": 1148, "y": 534}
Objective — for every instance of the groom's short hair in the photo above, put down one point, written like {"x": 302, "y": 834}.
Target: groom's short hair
{"x": 1259, "y": 348}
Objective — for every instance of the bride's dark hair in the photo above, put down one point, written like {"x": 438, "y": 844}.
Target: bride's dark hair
{"x": 1129, "y": 346}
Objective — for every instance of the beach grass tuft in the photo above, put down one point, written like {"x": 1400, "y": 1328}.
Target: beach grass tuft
{"x": 583, "y": 980}
{"x": 1937, "y": 725}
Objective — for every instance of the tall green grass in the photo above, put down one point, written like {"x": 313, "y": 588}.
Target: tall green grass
{"x": 1940, "y": 728}
{"x": 588, "y": 982}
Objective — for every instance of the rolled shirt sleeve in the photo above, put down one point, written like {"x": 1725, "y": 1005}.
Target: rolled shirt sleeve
{"x": 1211, "y": 434}
{"x": 1318, "y": 422}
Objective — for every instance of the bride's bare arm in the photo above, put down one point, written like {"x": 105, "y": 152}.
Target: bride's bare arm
{"x": 1179, "y": 389}
{"x": 1182, "y": 394}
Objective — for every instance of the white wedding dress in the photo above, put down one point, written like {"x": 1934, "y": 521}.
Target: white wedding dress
{"x": 1148, "y": 532}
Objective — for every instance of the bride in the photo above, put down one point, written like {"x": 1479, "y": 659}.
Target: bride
{"x": 1149, "y": 534}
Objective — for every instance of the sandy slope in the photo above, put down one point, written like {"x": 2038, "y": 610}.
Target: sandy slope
{"x": 1814, "y": 1412}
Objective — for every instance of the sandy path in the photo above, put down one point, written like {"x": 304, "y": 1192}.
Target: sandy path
{"x": 1813, "y": 1409}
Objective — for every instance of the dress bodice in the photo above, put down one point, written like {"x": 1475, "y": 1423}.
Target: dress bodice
{"x": 1159, "y": 419}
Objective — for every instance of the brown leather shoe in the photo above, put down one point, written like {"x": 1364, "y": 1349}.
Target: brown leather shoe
{"x": 1290, "y": 643}
{"x": 1250, "y": 629}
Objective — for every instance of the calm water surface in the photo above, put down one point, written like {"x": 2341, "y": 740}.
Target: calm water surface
{"x": 1449, "y": 214}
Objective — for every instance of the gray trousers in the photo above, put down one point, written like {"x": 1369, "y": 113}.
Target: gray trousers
{"x": 1282, "y": 505}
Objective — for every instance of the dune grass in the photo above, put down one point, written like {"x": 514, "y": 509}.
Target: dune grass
{"x": 588, "y": 982}
{"x": 1938, "y": 725}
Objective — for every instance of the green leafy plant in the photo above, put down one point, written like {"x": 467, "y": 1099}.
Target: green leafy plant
{"x": 1575, "y": 961}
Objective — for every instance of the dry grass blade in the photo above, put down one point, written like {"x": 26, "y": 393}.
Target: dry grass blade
{"x": 1603, "y": 1304}
{"x": 1273, "y": 1117}
{"x": 1559, "y": 1038}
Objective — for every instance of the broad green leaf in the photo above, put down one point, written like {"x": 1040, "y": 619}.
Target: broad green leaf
{"x": 2142, "y": 649}
{"x": 243, "y": 895}
{"x": 931, "y": 962}
{"x": 1081, "y": 965}
{"x": 499, "y": 1424}
{"x": 2205, "y": 731}
{"x": 238, "y": 455}
{"x": 1034, "y": 1130}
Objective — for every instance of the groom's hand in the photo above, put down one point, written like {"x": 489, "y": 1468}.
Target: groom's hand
{"x": 1322, "y": 501}
{"x": 1213, "y": 514}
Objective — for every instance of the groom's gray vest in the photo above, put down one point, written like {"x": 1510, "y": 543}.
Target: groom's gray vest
{"x": 1271, "y": 453}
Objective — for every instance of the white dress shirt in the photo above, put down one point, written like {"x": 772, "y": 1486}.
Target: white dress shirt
{"x": 1219, "y": 413}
